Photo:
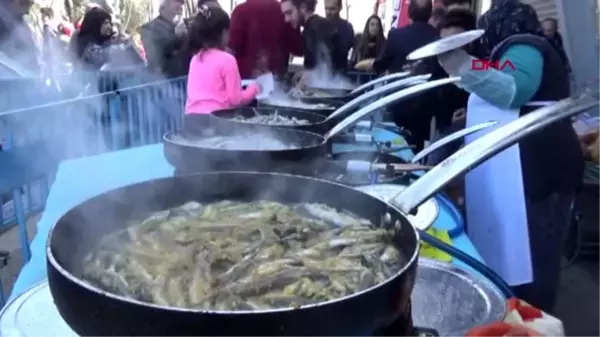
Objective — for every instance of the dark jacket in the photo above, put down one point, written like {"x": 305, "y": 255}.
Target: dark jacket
{"x": 401, "y": 42}
{"x": 557, "y": 42}
{"x": 260, "y": 38}
{"x": 163, "y": 48}
{"x": 414, "y": 113}
{"x": 346, "y": 32}
{"x": 551, "y": 159}
{"x": 323, "y": 43}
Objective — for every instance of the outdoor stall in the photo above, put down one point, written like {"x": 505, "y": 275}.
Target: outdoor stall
{"x": 111, "y": 171}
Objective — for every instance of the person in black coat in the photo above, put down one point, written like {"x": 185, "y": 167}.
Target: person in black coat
{"x": 345, "y": 29}
{"x": 413, "y": 114}
{"x": 550, "y": 30}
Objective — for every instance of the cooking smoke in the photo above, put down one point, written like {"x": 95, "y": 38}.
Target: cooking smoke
{"x": 70, "y": 112}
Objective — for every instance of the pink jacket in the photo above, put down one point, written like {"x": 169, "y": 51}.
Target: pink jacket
{"x": 214, "y": 83}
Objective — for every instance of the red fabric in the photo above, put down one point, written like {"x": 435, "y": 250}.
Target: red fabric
{"x": 527, "y": 312}
{"x": 260, "y": 38}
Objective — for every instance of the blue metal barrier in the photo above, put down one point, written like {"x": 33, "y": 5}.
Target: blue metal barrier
{"x": 39, "y": 138}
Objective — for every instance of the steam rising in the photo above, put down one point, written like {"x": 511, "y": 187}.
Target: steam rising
{"x": 322, "y": 77}
{"x": 62, "y": 115}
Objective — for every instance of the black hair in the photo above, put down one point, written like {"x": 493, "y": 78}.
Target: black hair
{"x": 438, "y": 13}
{"x": 90, "y": 30}
{"x": 459, "y": 18}
{"x": 447, "y": 3}
{"x": 310, "y": 5}
{"x": 206, "y": 30}
{"x": 207, "y": 2}
{"x": 420, "y": 10}
{"x": 365, "y": 39}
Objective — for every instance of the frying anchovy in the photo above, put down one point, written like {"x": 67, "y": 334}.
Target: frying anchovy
{"x": 272, "y": 119}
{"x": 262, "y": 142}
{"x": 232, "y": 255}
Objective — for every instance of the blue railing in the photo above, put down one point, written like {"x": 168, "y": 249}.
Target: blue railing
{"x": 37, "y": 139}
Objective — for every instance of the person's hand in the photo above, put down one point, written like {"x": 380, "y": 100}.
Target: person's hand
{"x": 181, "y": 29}
{"x": 456, "y": 62}
{"x": 365, "y": 65}
{"x": 590, "y": 145}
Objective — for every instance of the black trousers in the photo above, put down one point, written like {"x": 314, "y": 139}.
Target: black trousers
{"x": 548, "y": 223}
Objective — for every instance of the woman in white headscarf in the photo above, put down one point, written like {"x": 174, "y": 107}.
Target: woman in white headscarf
{"x": 519, "y": 203}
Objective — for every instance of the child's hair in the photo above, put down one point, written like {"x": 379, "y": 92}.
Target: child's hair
{"x": 206, "y": 30}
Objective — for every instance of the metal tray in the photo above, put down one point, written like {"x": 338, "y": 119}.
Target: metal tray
{"x": 452, "y": 300}
{"x": 33, "y": 314}
{"x": 445, "y": 298}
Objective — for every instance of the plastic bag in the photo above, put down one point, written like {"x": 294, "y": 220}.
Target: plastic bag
{"x": 522, "y": 319}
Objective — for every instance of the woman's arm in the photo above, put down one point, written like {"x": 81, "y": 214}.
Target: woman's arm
{"x": 508, "y": 87}
{"x": 237, "y": 96}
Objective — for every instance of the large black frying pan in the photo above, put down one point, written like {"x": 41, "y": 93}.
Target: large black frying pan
{"x": 325, "y": 107}
{"x": 319, "y": 123}
{"x": 304, "y": 147}
{"x": 315, "y": 94}
{"x": 91, "y": 311}
{"x": 316, "y": 122}
{"x": 330, "y": 99}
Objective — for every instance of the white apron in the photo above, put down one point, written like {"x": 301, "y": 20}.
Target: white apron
{"x": 495, "y": 202}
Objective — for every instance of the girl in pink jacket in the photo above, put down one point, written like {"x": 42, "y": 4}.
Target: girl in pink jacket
{"x": 214, "y": 81}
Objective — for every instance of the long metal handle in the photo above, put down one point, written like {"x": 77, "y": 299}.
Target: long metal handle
{"x": 450, "y": 138}
{"x": 379, "y": 91}
{"x": 487, "y": 146}
{"x": 379, "y": 80}
{"x": 381, "y": 103}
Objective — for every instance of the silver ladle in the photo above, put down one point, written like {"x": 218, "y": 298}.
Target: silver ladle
{"x": 487, "y": 146}
{"x": 385, "y": 101}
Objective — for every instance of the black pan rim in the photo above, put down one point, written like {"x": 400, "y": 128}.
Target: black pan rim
{"x": 313, "y": 110}
{"x": 323, "y": 119}
{"x": 322, "y": 141}
{"x": 90, "y": 287}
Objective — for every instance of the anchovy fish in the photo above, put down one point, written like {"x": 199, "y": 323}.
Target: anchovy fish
{"x": 233, "y": 255}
